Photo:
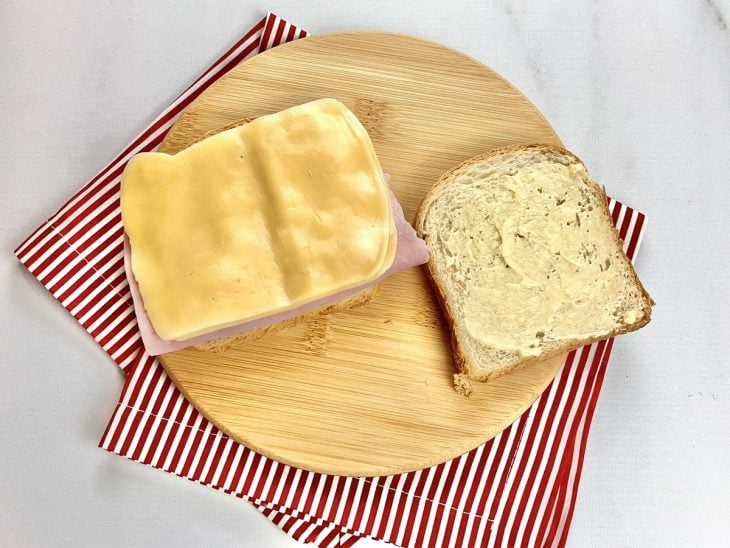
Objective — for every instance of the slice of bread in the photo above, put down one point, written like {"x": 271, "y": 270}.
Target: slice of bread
{"x": 525, "y": 260}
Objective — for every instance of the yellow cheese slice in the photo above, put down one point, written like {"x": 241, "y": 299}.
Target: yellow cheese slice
{"x": 258, "y": 219}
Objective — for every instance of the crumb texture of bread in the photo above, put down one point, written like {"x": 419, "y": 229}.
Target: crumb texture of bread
{"x": 525, "y": 260}
{"x": 357, "y": 300}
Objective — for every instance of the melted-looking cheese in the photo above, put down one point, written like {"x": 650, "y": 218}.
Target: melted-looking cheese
{"x": 258, "y": 219}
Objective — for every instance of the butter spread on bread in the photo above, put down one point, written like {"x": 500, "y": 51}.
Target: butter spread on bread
{"x": 257, "y": 220}
{"x": 526, "y": 260}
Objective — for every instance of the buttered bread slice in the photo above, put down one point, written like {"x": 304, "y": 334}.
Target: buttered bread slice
{"x": 525, "y": 260}
{"x": 256, "y": 220}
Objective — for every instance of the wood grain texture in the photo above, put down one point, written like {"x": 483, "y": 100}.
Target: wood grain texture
{"x": 367, "y": 392}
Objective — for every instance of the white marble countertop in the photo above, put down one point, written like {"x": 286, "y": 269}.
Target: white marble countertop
{"x": 640, "y": 92}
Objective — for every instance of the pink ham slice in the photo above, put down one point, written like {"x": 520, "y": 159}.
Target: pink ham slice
{"x": 410, "y": 251}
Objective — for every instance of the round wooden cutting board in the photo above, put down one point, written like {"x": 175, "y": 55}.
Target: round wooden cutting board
{"x": 368, "y": 392}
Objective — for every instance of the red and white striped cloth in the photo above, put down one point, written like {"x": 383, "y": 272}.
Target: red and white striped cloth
{"x": 518, "y": 489}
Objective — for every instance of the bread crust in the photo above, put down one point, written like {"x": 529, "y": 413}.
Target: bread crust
{"x": 468, "y": 371}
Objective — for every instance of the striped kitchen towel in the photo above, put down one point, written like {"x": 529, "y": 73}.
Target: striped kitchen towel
{"x": 518, "y": 489}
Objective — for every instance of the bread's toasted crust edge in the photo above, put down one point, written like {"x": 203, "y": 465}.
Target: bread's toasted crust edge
{"x": 357, "y": 300}
{"x": 468, "y": 371}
